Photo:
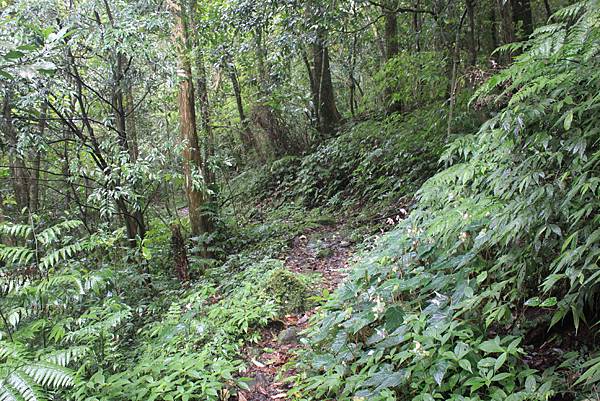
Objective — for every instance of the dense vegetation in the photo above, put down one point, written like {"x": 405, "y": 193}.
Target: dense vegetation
{"x": 184, "y": 184}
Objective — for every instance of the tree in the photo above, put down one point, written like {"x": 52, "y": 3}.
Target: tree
{"x": 192, "y": 154}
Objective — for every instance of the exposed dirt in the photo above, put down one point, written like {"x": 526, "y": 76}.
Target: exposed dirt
{"x": 323, "y": 250}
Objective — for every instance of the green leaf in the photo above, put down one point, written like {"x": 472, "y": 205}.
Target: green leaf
{"x": 491, "y": 346}
{"x": 568, "y": 120}
{"x": 465, "y": 364}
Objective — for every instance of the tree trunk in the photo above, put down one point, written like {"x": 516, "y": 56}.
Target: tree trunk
{"x": 245, "y": 133}
{"x": 548, "y": 9}
{"x": 392, "y": 49}
{"x": 192, "y": 157}
{"x": 522, "y": 18}
{"x": 264, "y": 114}
{"x": 180, "y": 258}
{"x": 18, "y": 169}
{"x": 203, "y": 105}
{"x": 134, "y": 220}
{"x": 35, "y": 179}
{"x": 132, "y": 134}
{"x": 507, "y": 28}
{"x": 472, "y": 41}
{"x": 493, "y": 29}
{"x": 329, "y": 117}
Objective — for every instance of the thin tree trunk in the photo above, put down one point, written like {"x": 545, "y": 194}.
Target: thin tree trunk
{"x": 548, "y": 9}
{"x": 245, "y": 133}
{"x": 472, "y": 41}
{"x": 18, "y": 169}
{"x": 507, "y": 28}
{"x": 314, "y": 90}
{"x": 264, "y": 114}
{"x": 132, "y": 134}
{"x": 35, "y": 179}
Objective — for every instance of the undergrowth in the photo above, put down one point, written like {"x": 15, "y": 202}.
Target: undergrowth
{"x": 506, "y": 233}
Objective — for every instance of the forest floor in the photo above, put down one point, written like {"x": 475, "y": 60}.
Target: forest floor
{"x": 324, "y": 251}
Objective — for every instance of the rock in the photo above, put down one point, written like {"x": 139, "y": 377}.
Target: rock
{"x": 259, "y": 384}
{"x": 288, "y": 336}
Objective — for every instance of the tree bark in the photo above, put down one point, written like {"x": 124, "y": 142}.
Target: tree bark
{"x": 507, "y": 28}
{"x": 392, "y": 48}
{"x": 522, "y": 18}
{"x": 192, "y": 157}
{"x": 264, "y": 115}
{"x": 18, "y": 169}
{"x": 35, "y": 179}
{"x": 245, "y": 133}
{"x": 472, "y": 41}
{"x": 329, "y": 116}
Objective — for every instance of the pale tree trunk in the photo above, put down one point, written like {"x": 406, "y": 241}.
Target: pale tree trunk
{"x": 203, "y": 105}
{"x": 37, "y": 161}
{"x": 192, "y": 157}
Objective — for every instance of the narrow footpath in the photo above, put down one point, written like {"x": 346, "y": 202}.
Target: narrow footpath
{"x": 323, "y": 250}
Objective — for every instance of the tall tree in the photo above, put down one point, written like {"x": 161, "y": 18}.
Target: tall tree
{"x": 321, "y": 82}
{"x": 392, "y": 48}
{"x": 192, "y": 155}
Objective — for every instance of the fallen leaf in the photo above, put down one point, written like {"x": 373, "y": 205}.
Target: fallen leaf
{"x": 257, "y": 363}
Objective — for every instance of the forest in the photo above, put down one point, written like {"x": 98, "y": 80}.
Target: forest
{"x": 307, "y": 200}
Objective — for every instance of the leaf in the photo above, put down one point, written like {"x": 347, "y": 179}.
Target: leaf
{"x": 13, "y": 54}
{"x": 568, "y": 120}
{"x": 500, "y": 361}
{"x": 549, "y": 302}
{"x": 465, "y": 364}
{"x": 535, "y": 301}
{"x": 440, "y": 371}
{"x": 491, "y": 346}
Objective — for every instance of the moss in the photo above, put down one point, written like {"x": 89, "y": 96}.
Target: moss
{"x": 288, "y": 290}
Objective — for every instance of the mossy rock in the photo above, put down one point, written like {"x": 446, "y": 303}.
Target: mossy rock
{"x": 288, "y": 290}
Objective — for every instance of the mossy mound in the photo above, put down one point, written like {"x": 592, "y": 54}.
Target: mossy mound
{"x": 288, "y": 290}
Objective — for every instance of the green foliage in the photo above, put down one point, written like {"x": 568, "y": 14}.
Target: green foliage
{"x": 370, "y": 161}
{"x": 435, "y": 310}
{"x": 287, "y": 289}
{"x": 415, "y": 79}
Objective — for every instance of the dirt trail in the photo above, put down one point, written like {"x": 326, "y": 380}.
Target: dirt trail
{"x": 323, "y": 250}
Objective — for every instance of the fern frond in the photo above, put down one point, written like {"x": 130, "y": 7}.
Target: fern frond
{"x": 12, "y": 351}
{"x": 61, "y": 254}
{"x": 51, "y": 234}
{"x": 16, "y": 254}
{"x": 8, "y": 392}
{"x": 23, "y": 231}
{"x": 65, "y": 357}
{"x": 50, "y": 375}
{"x": 27, "y": 389}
